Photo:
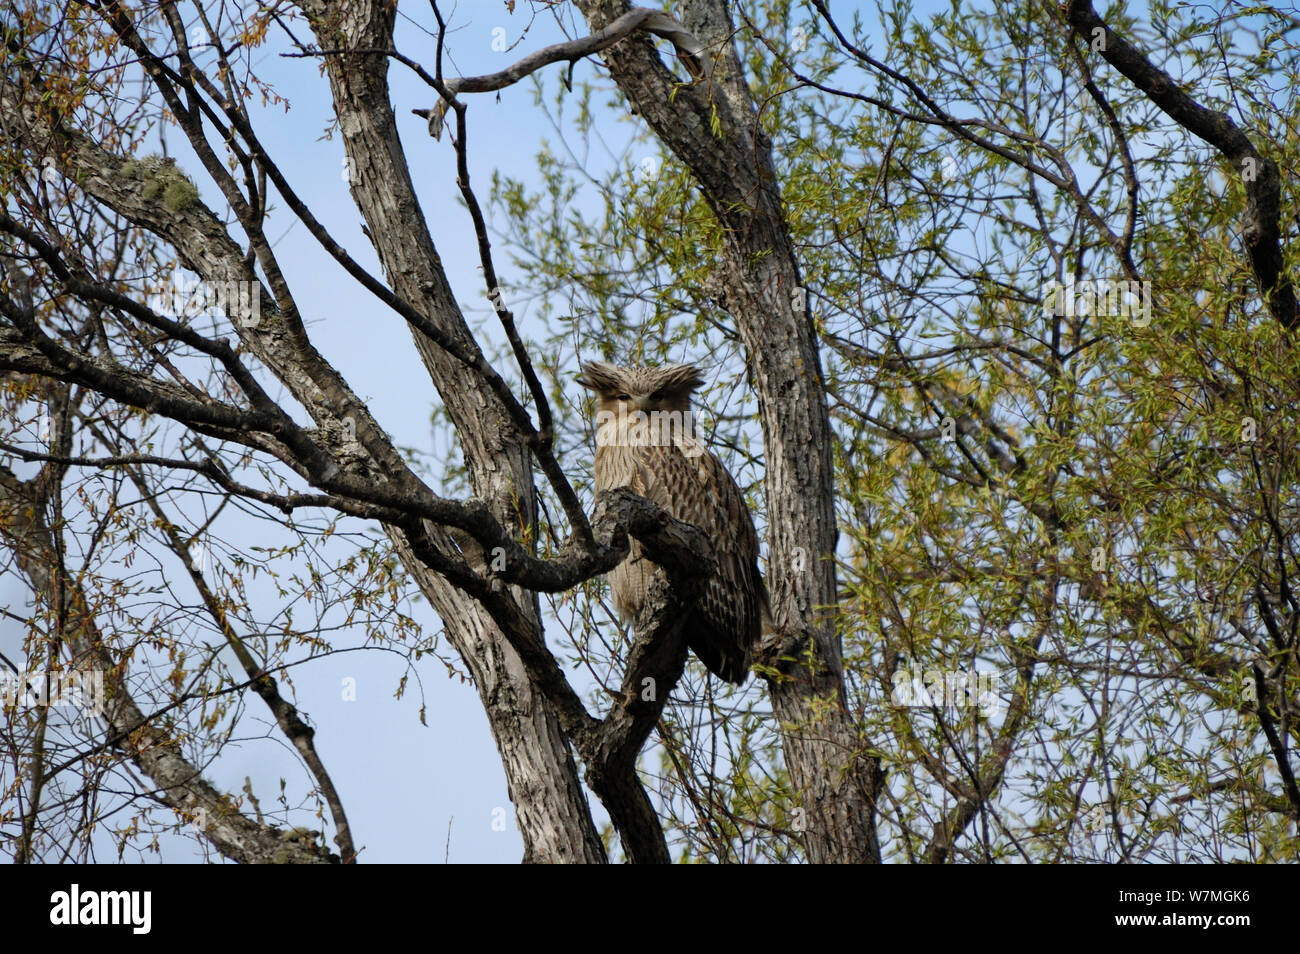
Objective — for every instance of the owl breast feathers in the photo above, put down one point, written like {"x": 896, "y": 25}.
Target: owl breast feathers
{"x": 645, "y": 442}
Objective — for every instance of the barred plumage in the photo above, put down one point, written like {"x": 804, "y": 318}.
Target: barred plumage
{"x": 655, "y": 454}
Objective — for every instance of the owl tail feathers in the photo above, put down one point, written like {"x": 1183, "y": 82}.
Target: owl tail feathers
{"x": 725, "y": 660}
{"x": 724, "y": 652}
{"x": 724, "y": 635}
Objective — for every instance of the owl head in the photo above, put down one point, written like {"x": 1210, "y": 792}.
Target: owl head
{"x": 622, "y": 390}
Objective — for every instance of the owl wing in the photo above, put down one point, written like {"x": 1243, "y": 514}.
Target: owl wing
{"x": 691, "y": 483}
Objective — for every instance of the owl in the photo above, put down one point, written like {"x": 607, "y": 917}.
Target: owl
{"x": 645, "y": 441}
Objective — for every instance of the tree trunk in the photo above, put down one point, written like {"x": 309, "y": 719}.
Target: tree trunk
{"x": 836, "y": 781}
{"x": 552, "y": 810}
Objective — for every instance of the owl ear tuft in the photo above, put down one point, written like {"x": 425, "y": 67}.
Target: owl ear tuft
{"x": 598, "y": 376}
{"x": 683, "y": 377}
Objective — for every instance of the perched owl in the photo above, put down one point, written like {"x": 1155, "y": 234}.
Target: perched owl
{"x": 645, "y": 441}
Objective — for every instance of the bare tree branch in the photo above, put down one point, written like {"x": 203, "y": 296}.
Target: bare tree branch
{"x": 1260, "y": 228}
{"x": 690, "y": 51}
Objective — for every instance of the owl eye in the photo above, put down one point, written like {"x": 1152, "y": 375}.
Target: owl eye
{"x": 622, "y": 397}
{"x": 658, "y": 395}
